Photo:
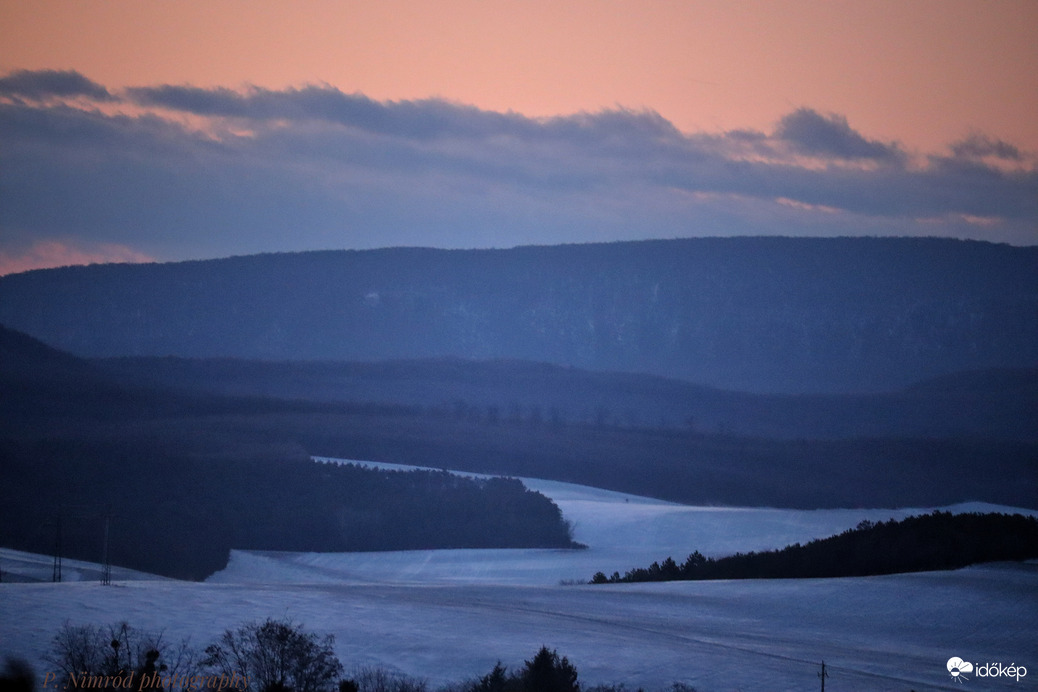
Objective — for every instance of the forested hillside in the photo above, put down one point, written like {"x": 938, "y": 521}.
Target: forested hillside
{"x": 754, "y": 314}
{"x": 178, "y": 512}
{"x": 679, "y": 464}
{"x": 183, "y": 479}
{"x": 935, "y": 541}
{"x": 995, "y": 404}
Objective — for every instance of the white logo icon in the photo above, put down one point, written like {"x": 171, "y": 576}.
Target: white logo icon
{"x": 956, "y": 666}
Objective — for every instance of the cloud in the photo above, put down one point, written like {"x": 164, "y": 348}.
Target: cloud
{"x": 418, "y": 119}
{"x": 979, "y": 146}
{"x": 423, "y": 119}
{"x": 42, "y": 84}
{"x": 220, "y": 101}
{"x": 813, "y": 134}
{"x": 183, "y": 172}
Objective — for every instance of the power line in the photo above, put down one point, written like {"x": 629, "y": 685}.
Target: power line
{"x": 82, "y": 512}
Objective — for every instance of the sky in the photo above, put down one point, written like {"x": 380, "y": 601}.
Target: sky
{"x": 139, "y": 131}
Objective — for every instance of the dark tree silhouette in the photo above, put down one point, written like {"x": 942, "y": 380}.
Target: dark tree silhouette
{"x": 546, "y": 672}
{"x": 276, "y": 655}
{"x": 86, "y": 654}
{"x": 935, "y": 541}
{"x": 17, "y": 676}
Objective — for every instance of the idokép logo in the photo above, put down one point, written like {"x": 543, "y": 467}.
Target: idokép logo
{"x": 958, "y": 668}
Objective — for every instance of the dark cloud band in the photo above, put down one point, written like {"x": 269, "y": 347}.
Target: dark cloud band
{"x": 815, "y": 134}
{"x": 315, "y": 167}
{"x": 43, "y": 84}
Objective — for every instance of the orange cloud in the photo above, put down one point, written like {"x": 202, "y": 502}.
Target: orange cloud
{"x": 46, "y": 254}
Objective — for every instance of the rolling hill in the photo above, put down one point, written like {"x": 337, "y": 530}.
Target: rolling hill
{"x": 994, "y": 404}
{"x": 183, "y": 478}
{"x": 142, "y": 419}
{"x": 446, "y": 616}
{"x": 779, "y": 315}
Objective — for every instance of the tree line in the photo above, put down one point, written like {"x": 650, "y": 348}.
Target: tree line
{"x": 935, "y": 541}
{"x": 274, "y": 655}
{"x": 177, "y": 511}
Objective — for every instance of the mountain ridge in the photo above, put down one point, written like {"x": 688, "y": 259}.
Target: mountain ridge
{"x": 767, "y": 315}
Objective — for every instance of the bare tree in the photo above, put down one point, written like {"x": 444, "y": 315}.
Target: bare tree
{"x": 380, "y": 679}
{"x": 276, "y": 656}
{"x": 89, "y": 652}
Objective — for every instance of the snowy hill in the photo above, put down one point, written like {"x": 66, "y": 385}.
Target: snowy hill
{"x": 621, "y": 531}
{"x": 450, "y": 615}
{"x": 19, "y": 566}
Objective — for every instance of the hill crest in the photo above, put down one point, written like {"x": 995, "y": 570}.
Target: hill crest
{"x": 755, "y": 314}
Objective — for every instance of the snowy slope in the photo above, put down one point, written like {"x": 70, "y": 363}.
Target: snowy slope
{"x": 450, "y": 615}
{"x": 621, "y": 531}
{"x": 19, "y": 566}
{"x": 879, "y": 633}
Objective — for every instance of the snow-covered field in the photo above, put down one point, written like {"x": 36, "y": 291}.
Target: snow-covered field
{"x": 450, "y": 615}
{"x": 18, "y": 566}
{"x": 621, "y": 531}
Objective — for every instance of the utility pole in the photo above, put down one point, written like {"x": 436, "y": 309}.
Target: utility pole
{"x": 106, "y": 564}
{"x": 822, "y": 675}
{"x": 55, "y": 574}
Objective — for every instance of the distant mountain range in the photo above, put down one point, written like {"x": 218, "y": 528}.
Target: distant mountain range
{"x": 766, "y": 315}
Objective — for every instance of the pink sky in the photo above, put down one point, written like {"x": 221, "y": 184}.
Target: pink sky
{"x": 924, "y": 73}
{"x": 864, "y": 117}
